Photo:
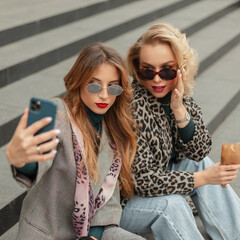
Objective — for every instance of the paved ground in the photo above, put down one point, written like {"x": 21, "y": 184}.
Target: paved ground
{"x": 37, "y": 48}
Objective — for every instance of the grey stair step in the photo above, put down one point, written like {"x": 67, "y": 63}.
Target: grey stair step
{"x": 218, "y": 89}
{"x": 9, "y": 189}
{"x": 190, "y": 19}
{"x": 215, "y": 37}
{"x": 14, "y": 14}
{"x": 40, "y": 16}
{"x": 11, "y": 234}
{"x": 38, "y": 52}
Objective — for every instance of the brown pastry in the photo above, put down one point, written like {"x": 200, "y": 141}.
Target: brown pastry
{"x": 230, "y": 154}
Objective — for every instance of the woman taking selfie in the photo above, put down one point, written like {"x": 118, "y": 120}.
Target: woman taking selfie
{"x": 171, "y": 160}
{"x": 75, "y": 189}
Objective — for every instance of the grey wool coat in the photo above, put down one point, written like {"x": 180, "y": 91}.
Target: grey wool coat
{"x": 47, "y": 209}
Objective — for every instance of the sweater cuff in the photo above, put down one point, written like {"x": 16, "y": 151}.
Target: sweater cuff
{"x": 29, "y": 169}
{"x": 186, "y": 133}
{"x": 96, "y": 232}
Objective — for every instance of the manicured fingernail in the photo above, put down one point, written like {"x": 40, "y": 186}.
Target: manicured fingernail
{"x": 49, "y": 119}
{"x": 183, "y": 69}
{"x": 180, "y": 75}
{"x": 57, "y": 140}
{"x": 57, "y": 131}
{"x": 54, "y": 151}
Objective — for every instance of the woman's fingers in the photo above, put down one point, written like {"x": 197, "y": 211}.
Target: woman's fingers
{"x": 229, "y": 173}
{"x": 229, "y": 167}
{"x": 42, "y": 157}
{"x": 180, "y": 86}
{"x": 26, "y": 147}
{"x": 221, "y": 174}
{"x": 227, "y": 180}
{"x": 23, "y": 121}
{"x": 47, "y": 146}
{"x": 176, "y": 94}
{"x": 42, "y": 152}
{"x": 46, "y": 136}
{"x": 35, "y": 127}
{"x": 183, "y": 74}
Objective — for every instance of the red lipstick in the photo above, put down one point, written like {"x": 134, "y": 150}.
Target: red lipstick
{"x": 158, "y": 88}
{"x": 102, "y": 105}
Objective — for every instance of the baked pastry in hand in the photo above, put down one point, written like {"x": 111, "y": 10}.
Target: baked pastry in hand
{"x": 230, "y": 154}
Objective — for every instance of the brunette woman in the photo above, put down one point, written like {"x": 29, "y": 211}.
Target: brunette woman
{"x": 75, "y": 188}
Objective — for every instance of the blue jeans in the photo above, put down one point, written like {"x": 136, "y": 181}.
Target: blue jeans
{"x": 170, "y": 217}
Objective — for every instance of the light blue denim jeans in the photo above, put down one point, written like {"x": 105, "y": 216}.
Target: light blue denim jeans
{"x": 170, "y": 217}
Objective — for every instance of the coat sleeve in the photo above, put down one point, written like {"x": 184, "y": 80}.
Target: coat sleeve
{"x": 200, "y": 145}
{"x": 151, "y": 179}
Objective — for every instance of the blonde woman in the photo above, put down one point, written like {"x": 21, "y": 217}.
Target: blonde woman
{"x": 74, "y": 189}
{"x": 171, "y": 160}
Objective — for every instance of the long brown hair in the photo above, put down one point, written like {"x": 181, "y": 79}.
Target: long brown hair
{"x": 118, "y": 118}
{"x": 165, "y": 33}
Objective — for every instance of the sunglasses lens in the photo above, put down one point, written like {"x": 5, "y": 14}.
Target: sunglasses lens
{"x": 115, "y": 90}
{"x": 165, "y": 74}
{"x": 146, "y": 74}
{"x": 94, "y": 88}
{"x": 168, "y": 74}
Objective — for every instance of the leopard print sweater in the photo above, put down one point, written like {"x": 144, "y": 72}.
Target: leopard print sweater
{"x": 155, "y": 144}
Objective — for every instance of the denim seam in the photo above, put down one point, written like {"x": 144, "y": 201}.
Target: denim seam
{"x": 173, "y": 226}
{"x": 144, "y": 209}
{"x": 212, "y": 217}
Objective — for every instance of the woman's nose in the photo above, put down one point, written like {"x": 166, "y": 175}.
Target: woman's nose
{"x": 104, "y": 92}
{"x": 157, "y": 78}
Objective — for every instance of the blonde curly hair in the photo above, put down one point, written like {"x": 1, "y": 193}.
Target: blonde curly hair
{"x": 167, "y": 34}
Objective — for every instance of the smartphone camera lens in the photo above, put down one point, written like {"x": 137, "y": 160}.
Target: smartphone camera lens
{"x": 35, "y": 105}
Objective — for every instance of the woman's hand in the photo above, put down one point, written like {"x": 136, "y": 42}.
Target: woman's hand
{"x": 216, "y": 174}
{"x": 24, "y": 147}
{"x": 177, "y": 94}
{"x": 176, "y": 104}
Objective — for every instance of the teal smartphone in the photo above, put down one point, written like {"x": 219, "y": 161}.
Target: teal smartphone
{"x": 40, "y": 108}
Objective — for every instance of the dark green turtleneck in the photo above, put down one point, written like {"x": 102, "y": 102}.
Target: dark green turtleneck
{"x": 94, "y": 118}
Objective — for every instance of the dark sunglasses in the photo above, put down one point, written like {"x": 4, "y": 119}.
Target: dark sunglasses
{"x": 114, "y": 90}
{"x": 167, "y": 73}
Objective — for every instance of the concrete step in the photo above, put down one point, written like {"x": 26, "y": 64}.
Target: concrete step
{"x": 43, "y": 50}
{"x": 35, "y": 85}
{"x": 11, "y": 234}
{"x": 15, "y": 14}
{"x": 218, "y": 89}
{"x": 40, "y": 16}
{"x": 190, "y": 19}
